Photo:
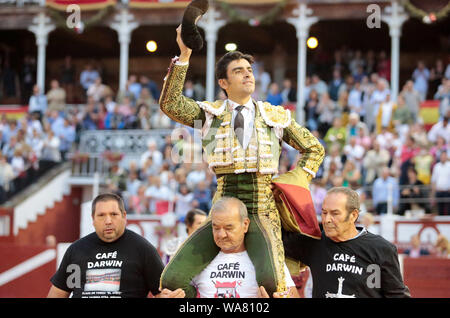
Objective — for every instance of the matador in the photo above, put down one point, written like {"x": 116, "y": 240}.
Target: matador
{"x": 242, "y": 141}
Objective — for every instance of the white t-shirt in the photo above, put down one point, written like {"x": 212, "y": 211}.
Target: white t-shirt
{"x": 230, "y": 276}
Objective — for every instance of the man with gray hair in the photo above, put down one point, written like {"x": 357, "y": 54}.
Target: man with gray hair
{"x": 349, "y": 261}
{"x": 231, "y": 274}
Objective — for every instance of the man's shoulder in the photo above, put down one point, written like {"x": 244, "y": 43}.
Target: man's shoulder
{"x": 378, "y": 242}
{"x": 214, "y": 108}
{"x": 138, "y": 239}
{"x": 274, "y": 116}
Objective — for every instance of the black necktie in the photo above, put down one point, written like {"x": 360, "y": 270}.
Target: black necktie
{"x": 239, "y": 125}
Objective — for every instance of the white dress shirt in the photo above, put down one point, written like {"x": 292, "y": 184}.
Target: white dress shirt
{"x": 249, "y": 114}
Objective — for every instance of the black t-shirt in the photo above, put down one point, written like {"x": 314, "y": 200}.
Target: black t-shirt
{"x": 127, "y": 267}
{"x": 366, "y": 266}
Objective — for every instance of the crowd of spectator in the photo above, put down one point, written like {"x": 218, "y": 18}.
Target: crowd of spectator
{"x": 374, "y": 144}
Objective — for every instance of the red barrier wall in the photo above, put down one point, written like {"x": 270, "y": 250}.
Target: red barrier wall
{"x": 33, "y": 284}
{"x": 427, "y": 277}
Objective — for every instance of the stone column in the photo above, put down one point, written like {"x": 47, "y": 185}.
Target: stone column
{"x": 302, "y": 22}
{"x": 41, "y": 27}
{"x": 211, "y": 24}
{"x": 124, "y": 25}
{"x": 395, "y": 17}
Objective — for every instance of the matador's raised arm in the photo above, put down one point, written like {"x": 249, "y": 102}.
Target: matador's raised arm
{"x": 172, "y": 102}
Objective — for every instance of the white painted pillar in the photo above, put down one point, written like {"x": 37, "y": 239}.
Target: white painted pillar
{"x": 211, "y": 24}
{"x": 124, "y": 25}
{"x": 41, "y": 27}
{"x": 395, "y": 17}
{"x": 302, "y": 23}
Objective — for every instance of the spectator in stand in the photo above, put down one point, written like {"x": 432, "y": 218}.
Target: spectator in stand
{"x": 416, "y": 250}
{"x": 264, "y": 78}
{"x": 10, "y": 130}
{"x": 442, "y": 247}
{"x": 97, "y": 90}
{"x": 421, "y": 75}
{"x": 90, "y": 116}
{"x": 327, "y": 112}
{"x": 422, "y": 164}
{"x": 412, "y": 98}
{"x": 402, "y": 116}
{"x": 351, "y": 175}
{"x": 135, "y": 88}
{"x": 342, "y": 105}
{"x": 319, "y": 85}
{"x": 336, "y": 134}
{"x": 354, "y": 125}
{"x": 419, "y": 133}
{"x": 67, "y": 78}
{"x": 110, "y": 104}
{"x": 373, "y": 163}
{"x": 195, "y": 176}
{"x": 139, "y": 203}
{"x": 37, "y": 103}
{"x": 158, "y": 194}
{"x": 311, "y": 111}
{"x": 56, "y": 97}
{"x": 151, "y": 85}
{"x": 355, "y": 99}
{"x": 189, "y": 90}
{"x": 274, "y": 96}
{"x": 146, "y": 98}
{"x": 363, "y": 138}
{"x": 378, "y": 96}
{"x": 88, "y": 77}
{"x": 408, "y": 151}
{"x": 154, "y": 153}
{"x": 289, "y": 92}
{"x": 413, "y": 190}
{"x": 6, "y": 178}
{"x": 202, "y": 196}
{"x": 114, "y": 120}
{"x": 36, "y": 143}
{"x": 354, "y": 152}
{"x": 380, "y": 191}
{"x": 357, "y": 63}
{"x": 66, "y": 135}
{"x": 439, "y": 147}
{"x": 50, "y": 150}
{"x": 331, "y": 174}
{"x": 384, "y": 115}
{"x": 143, "y": 117}
{"x": 443, "y": 95}
{"x": 183, "y": 201}
{"x": 384, "y": 66}
{"x": 127, "y": 110}
{"x": 132, "y": 183}
{"x": 18, "y": 163}
{"x": 159, "y": 120}
{"x": 9, "y": 148}
{"x": 440, "y": 184}
{"x": 28, "y": 77}
{"x": 441, "y": 128}
{"x": 318, "y": 193}
{"x": 437, "y": 74}
{"x": 335, "y": 84}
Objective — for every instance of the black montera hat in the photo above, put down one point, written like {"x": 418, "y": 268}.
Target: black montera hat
{"x": 189, "y": 31}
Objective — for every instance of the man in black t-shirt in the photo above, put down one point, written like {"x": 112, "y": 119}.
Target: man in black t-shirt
{"x": 113, "y": 262}
{"x": 347, "y": 262}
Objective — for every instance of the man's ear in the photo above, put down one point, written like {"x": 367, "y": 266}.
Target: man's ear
{"x": 223, "y": 83}
{"x": 354, "y": 215}
{"x": 246, "y": 225}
